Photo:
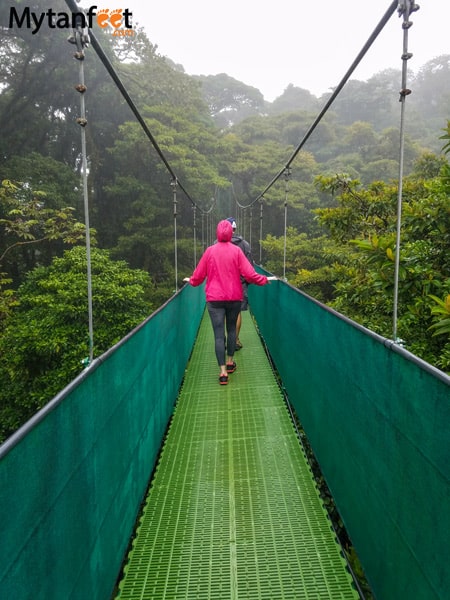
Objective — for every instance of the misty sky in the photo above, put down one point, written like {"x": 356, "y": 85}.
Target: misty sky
{"x": 270, "y": 45}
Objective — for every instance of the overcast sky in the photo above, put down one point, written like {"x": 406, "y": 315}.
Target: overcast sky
{"x": 269, "y": 45}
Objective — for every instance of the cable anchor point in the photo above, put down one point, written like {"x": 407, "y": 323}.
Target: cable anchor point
{"x": 407, "y": 6}
{"x": 79, "y": 37}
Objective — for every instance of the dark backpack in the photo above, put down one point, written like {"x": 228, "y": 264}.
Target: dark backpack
{"x": 239, "y": 241}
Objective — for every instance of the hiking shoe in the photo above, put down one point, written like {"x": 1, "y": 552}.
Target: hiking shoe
{"x": 238, "y": 345}
{"x": 223, "y": 379}
{"x": 231, "y": 367}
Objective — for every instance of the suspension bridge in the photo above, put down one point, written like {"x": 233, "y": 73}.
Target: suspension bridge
{"x": 144, "y": 479}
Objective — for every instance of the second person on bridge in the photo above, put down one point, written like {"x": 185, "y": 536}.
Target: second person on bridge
{"x": 222, "y": 265}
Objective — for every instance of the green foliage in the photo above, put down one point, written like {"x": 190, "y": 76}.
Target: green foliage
{"x": 7, "y": 299}
{"x": 55, "y": 181}
{"x": 353, "y": 267}
{"x": 29, "y": 222}
{"x": 427, "y": 166}
{"x": 364, "y": 222}
{"x": 446, "y": 136}
{"x": 229, "y": 101}
{"x": 46, "y": 339}
{"x": 304, "y": 266}
{"x": 294, "y": 98}
{"x": 361, "y": 212}
{"x": 441, "y": 309}
{"x": 29, "y": 234}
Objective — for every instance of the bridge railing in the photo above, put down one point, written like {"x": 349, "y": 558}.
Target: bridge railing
{"x": 377, "y": 418}
{"x": 73, "y": 478}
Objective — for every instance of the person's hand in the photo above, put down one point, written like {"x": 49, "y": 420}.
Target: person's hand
{"x": 186, "y": 279}
{"x": 272, "y": 278}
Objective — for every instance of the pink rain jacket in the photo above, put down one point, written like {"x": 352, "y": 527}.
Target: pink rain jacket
{"x": 222, "y": 265}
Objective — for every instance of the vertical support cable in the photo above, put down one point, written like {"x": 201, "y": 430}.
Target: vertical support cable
{"x": 174, "y": 184}
{"x": 287, "y": 174}
{"x": 81, "y": 39}
{"x": 260, "y": 230}
{"x": 405, "y": 8}
{"x": 195, "y": 235}
{"x": 203, "y": 231}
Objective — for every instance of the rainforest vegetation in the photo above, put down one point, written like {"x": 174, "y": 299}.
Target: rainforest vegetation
{"x": 225, "y": 143}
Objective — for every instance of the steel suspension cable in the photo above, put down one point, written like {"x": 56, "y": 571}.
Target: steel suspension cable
{"x": 195, "y": 234}
{"x": 405, "y": 8}
{"x": 260, "y": 229}
{"x": 360, "y": 56}
{"x": 287, "y": 174}
{"x": 110, "y": 68}
{"x": 80, "y": 38}
{"x": 174, "y": 184}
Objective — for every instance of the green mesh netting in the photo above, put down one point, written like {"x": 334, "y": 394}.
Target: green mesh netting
{"x": 72, "y": 482}
{"x": 378, "y": 421}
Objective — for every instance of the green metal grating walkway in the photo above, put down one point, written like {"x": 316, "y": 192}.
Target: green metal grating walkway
{"x": 233, "y": 512}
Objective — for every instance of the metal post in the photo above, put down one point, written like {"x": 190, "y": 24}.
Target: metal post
{"x": 174, "y": 184}
{"x": 287, "y": 175}
{"x": 81, "y": 39}
{"x": 260, "y": 231}
{"x": 203, "y": 231}
{"x": 195, "y": 235}
{"x": 405, "y": 8}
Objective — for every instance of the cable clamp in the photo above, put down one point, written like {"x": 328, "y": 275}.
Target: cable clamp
{"x": 407, "y": 55}
{"x": 82, "y": 121}
{"x": 403, "y": 8}
{"x": 79, "y": 37}
{"x": 81, "y": 88}
{"x": 404, "y": 92}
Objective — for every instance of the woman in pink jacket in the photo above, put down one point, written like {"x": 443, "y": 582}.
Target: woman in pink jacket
{"x": 222, "y": 265}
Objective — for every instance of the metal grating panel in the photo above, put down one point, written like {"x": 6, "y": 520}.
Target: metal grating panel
{"x": 233, "y": 511}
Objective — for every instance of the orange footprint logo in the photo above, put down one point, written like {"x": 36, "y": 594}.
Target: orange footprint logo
{"x": 103, "y": 17}
{"x": 107, "y": 17}
{"x": 115, "y": 18}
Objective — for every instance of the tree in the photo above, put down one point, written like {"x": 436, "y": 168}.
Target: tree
{"x": 229, "y": 100}
{"x": 364, "y": 224}
{"x": 36, "y": 90}
{"x": 138, "y": 200}
{"x": 431, "y": 97}
{"x": 294, "y": 99}
{"x": 305, "y": 266}
{"x": 46, "y": 339}
{"x": 30, "y": 234}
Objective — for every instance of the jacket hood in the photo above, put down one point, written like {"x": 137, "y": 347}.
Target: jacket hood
{"x": 224, "y": 231}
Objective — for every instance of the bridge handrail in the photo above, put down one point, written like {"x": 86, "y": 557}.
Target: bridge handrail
{"x": 72, "y": 479}
{"x": 377, "y": 419}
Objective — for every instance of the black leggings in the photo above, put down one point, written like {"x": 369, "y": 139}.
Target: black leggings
{"x": 221, "y": 313}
